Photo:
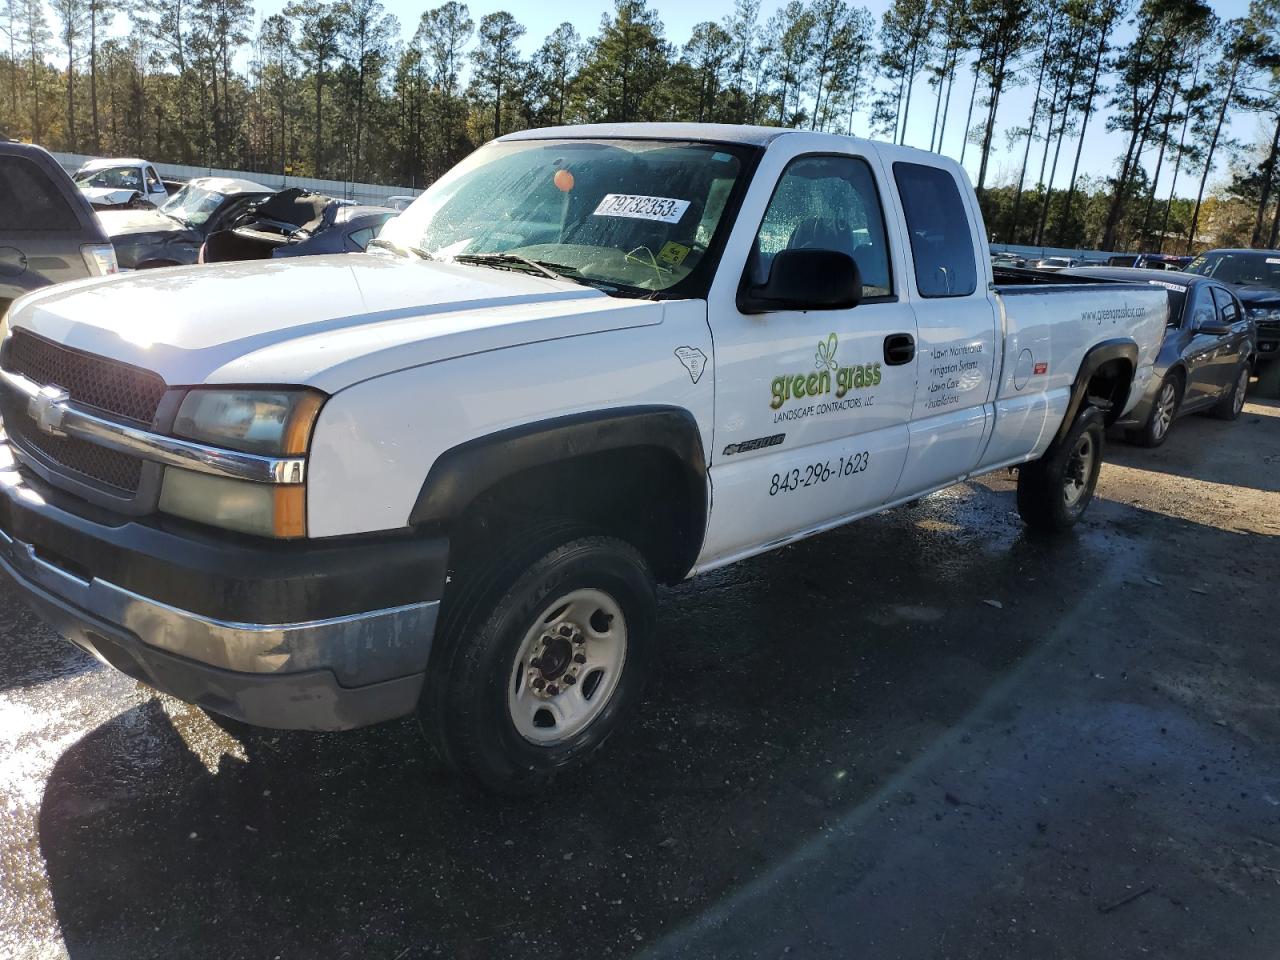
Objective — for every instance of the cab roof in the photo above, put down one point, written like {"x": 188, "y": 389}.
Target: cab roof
{"x": 103, "y": 162}
{"x": 714, "y": 132}
{"x": 230, "y": 185}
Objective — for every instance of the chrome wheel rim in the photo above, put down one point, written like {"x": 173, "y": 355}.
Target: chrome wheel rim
{"x": 1242, "y": 386}
{"x": 1079, "y": 469}
{"x": 1162, "y": 416}
{"x": 568, "y": 666}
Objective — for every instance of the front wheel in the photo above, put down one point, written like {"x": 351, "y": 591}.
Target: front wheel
{"x": 542, "y": 656}
{"x": 1054, "y": 491}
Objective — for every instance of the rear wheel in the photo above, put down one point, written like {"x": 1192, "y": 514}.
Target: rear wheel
{"x": 541, "y": 656}
{"x": 1054, "y": 491}
{"x": 1164, "y": 410}
{"x": 1232, "y": 402}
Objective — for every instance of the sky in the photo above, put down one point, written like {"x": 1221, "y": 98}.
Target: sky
{"x": 1101, "y": 148}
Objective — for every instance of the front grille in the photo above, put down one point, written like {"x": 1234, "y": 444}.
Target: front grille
{"x": 115, "y": 388}
{"x": 88, "y": 460}
{"x": 109, "y": 385}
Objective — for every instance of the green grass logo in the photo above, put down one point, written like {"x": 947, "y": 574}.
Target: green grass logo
{"x": 829, "y": 374}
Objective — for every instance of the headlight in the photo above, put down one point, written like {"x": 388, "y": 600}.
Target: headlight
{"x": 100, "y": 258}
{"x": 1259, "y": 314}
{"x": 268, "y": 422}
{"x": 275, "y": 423}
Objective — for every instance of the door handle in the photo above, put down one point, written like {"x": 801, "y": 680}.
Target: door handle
{"x": 899, "y": 348}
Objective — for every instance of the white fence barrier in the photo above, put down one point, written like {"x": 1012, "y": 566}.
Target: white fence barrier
{"x": 370, "y": 193}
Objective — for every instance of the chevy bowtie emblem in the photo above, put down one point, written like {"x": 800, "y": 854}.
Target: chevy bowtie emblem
{"x": 46, "y": 411}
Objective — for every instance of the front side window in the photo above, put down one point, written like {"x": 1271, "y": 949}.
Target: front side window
{"x": 29, "y": 200}
{"x": 938, "y": 225}
{"x": 630, "y": 216}
{"x": 1203, "y": 312}
{"x": 826, "y": 203}
{"x": 1227, "y": 309}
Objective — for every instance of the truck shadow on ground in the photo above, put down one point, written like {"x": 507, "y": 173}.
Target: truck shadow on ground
{"x": 792, "y": 687}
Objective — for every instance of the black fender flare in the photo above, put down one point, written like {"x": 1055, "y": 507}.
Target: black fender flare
{"x": 1103, "y": 352}
{"x": 462, "y": 473}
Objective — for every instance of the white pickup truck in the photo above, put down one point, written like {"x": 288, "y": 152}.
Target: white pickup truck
{"x": 445, "y": 476}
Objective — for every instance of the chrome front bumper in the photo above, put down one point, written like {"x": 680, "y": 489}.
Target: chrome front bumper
{"x": 325, "y": 673}
{"x": 277, "y": 675}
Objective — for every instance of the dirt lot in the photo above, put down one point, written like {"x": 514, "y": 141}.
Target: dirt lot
{"x": 925, "y": 735}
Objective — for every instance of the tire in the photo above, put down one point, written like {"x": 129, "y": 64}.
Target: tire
{"x": 1232, "y": 402}
{"x": 1164, "y": 410}
{"x": 1054, "y": 491}
{"x": 549, "y": 625}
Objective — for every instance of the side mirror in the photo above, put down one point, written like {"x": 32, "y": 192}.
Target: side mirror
{"x": 1214, "y": 329}
{"x": 805, "y": 279}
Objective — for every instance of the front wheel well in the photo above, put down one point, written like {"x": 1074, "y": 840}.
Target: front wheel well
{"x": 644, "y": 495}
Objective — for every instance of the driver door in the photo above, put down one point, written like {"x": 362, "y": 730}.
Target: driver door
{"x": 811, "y": 405}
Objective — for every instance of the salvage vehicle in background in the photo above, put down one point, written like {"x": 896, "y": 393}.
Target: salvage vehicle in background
{"x": 1148, "y": 261}
{"x": 1209, "y": 351}
{"x": 1057, "y": 263}
{"x": 1254, "y": 276}
{"x": 295, "y": 223}
{"x": 124, "y": 182}
{"x": 48, "y": 232}
{"x": 445, "y": 476}
{"x": 173, "y": 234}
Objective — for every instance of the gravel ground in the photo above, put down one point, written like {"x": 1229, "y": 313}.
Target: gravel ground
{"x": 924, "y": 735}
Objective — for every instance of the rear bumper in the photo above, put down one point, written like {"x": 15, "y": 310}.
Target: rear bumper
{"x": 318, "y": 656}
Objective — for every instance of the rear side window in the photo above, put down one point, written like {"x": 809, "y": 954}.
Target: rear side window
{"x": 30, "y": 200}
{"x": 938, "y": 225}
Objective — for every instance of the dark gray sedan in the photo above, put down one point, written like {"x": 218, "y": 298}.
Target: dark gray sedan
{"x": 1209, "y": 350}
{"x": 173, "y": 234}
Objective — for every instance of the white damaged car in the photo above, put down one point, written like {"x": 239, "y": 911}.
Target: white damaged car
{"x": 121, "y": 182}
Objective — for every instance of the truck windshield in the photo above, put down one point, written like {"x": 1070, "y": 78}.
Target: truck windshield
{"x": 635, "y": 216}
{"x": 114, "y": 178}
{"x": 1242, "y": 268}
{"x": 192, "y": 205}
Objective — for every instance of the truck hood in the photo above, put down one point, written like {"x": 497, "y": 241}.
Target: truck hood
{"x": 327, "y": 322}
{"x": 106, "y": 196}
{"x": 1257, "y": 297}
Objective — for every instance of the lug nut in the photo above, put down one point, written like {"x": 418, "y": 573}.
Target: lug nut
{"x": 565, "y": 630}
{"x": 538, "y": 683}
{"x": 552, "y": 689}
{"x": 570, "y": 679}
{"x": 535, "y": 663}
{"x": 579, "y": 658}
{"x": 579, "y": 639}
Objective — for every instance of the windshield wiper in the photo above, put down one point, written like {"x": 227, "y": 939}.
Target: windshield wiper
{"x": 513, "y": 261}
{"x": 396, "y": 248}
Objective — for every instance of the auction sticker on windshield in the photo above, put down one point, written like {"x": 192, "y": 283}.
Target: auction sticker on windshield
{"x": 662, "y": 209}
